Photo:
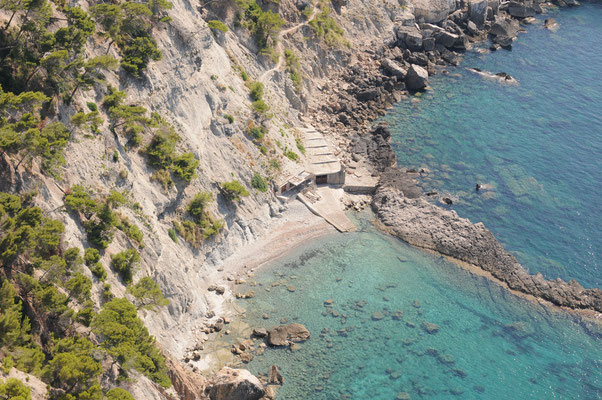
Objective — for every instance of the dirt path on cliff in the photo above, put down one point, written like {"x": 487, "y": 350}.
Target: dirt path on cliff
{"x": 280, "y": 47}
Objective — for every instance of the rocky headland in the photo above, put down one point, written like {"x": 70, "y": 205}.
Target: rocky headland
{"x": 419, "y": 46}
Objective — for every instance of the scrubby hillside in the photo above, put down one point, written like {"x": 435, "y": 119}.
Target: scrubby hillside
{"x": 138, "y": 145}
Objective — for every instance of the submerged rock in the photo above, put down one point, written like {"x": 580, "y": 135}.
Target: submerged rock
{"x": 430, "y": 328}
{"x": 283, "y": 335}
{"x": 275, "y": 377}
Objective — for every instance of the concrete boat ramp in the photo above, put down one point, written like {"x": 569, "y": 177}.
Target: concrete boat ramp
{"x": 325, "y": 202}
{"x": 319, "y": 183}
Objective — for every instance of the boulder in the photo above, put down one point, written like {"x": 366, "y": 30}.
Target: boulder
{"x": 260, "y": 332}
{"x": 368, "y": 94}
{"x": 504, "y": 27}
{"x": 275, "y": 377}
{"x": 235, "y": 384}
{"x": 405, "y": 18}
{"x": 428, "y": 44}
{"x": 417, "y": 78}
{"x": 433, "y": 11}
{"x": 503, "y": 41}
{"x": 477, "y": 11}
{"x": 494, "y": 5}
{"x": 551, "y": 24}
{"x": 283, "y": 335}
{"x": 471, "y": 27}
{"x": 410, "y": 37}
{"x": 446, "y": 39}
{"x": 394, "y": 69}
{"x": 519, "y": 10}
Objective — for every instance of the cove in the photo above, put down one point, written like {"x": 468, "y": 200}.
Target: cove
{"x": 537, "y": 146}
{"x": 407, "y": 324}
{"x": 489, "y": 344}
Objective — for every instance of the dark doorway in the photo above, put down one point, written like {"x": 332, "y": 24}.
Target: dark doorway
{"x": 321, "y": 179}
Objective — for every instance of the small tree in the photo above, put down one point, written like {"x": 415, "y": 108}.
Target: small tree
{"x": 14, "y": 389}
{"x": 119, "y": 394}
{"x": 79, "y": 287}
{"x": 147, "y": 294}
{"x": 234, "y": 191}
{"x": 125, "y": 262}
{"x": 259, "y": 183}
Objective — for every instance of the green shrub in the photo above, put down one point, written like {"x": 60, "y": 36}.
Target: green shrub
{"x": 78, "y": 199}
{"x": 326, "y": 28}
{"x": 124, "y": 263}
{"x": 244, "y": 76}
{"x": 138, "y": 53}
{"x": 184, "y": 166}
{"x": 262, "y": 25}
{"x": 274, "y": 163}
{"x": 300, "y": 145}
{"x": 12, "y": 388}
{"x": 259, "y": 183}
{"x": 234, "y": 190}
{"x": 291, "y": 155}
{"x": 203, "y": 225}
{"x": 229, "y": 117}
{"x": 125, "y": 338}
{"x": 219, "y": 25}
{"x": 147, "y": 294}
{"x": 74, "y": 369}
{"x": 257, "y": 132}
{"x": 92, "y": 106}
{"x": 256, "y": 90}
{"x": 260, "y": 106}
{"x": 294, "y": 68}
{"x": 119, "y": 394}
{"x": 172, "y": 234}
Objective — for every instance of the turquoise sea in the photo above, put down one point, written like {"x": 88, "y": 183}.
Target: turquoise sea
{"x": 539, "y": 147}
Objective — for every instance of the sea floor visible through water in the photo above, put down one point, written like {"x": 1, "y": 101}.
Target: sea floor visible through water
{"x": 535, "y": 147}
{"x": 374, "y": 341}
{"x": 406, "y": 324}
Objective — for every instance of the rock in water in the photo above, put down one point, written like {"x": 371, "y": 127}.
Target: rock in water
{"x": 430, "y": 328}
{"x": 235, "y": 384}
{"x": 417, "y": 78}
{"x": 285, "y": 334}
{"x": 297, "y": 333}
{"x": 275, "y": 377}
{"x": 551, "y": 24}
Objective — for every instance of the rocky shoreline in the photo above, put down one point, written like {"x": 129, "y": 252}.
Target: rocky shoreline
{"x": 384, "y": 76}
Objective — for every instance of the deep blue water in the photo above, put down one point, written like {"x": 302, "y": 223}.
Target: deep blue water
{"x": 538, "y": 145}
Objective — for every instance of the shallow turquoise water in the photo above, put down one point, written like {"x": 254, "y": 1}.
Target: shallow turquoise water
{"x": 539, "y": 144}
{"x": 539, "y": 147}
{"x": 490, "y": 345}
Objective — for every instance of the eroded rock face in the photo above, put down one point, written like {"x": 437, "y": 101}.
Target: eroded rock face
{"x": 235, "y": 384}
{"x": 433, "y": 11}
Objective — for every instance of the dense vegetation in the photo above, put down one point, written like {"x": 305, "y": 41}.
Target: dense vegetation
{"x": 263, "y": 25}
{"x": 45, "y": 294}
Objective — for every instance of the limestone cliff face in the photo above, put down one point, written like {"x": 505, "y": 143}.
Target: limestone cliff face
{"x": 198, "y": 81}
